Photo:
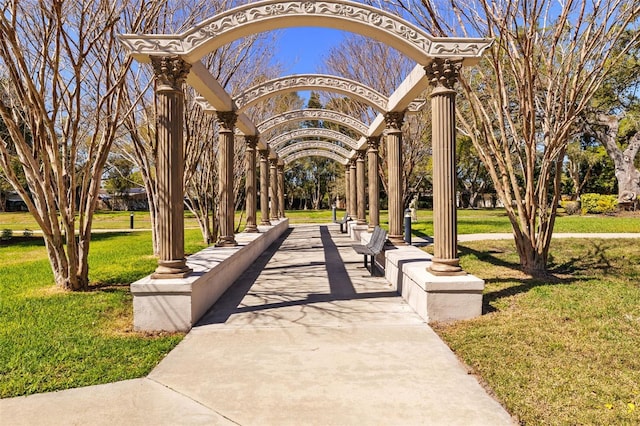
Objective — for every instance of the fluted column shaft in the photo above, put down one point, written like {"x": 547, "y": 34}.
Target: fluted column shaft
{"x": 347, "y": 188}
{"x": 226, "y": 121}
{"x": 281, "y": 190}
{"x": 394, "y": 159}
{"x": 443, "y": 74}
{"x": 251, "y": 183}
{"x": 170, "y": 74}
{"x": 353, "y": 189}
{"x": 361, "y": 185}
{"x": 374, "y": 182}
{"x": 264, "y": 187}
{"x": 273, "y": 175}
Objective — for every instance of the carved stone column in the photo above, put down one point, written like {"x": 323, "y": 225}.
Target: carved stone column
{"x": 264, "y": 187}
{"x": 394, "y": 122}
{"x": 273, "y": 176}
{"x": 170, "y": 74}
{"x": 443, "y": 74}
{"x": 251, "y": 183}
{"x": 226, "y": 121}
{"x": 374, "y": 182}
{"x": 360, "y": 183}
{"x": 347, "y": 188}
{"x": 353, "y": 189}
{"x": 281, "y": 190}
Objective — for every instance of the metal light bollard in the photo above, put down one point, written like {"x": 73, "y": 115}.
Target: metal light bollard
{"x": 333, "y": 213}
{"x": 407, "y": 226}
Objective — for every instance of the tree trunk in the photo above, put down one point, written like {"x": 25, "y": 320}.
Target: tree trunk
{"x": 627, "y": 175}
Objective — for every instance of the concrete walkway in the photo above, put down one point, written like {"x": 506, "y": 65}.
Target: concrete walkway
{"x": 305, "y": 337}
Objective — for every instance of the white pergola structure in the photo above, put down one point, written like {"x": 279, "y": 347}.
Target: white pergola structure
{"x": 176, "y": 58}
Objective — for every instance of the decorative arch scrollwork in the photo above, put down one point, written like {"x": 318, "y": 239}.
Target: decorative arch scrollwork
{"x": 256, "y": 17}
{"x": 314, "y": 153}
{"x": 295, "y": 83}
{"x": 282, "y": 139}
{"x": 307, "y": 145}
{"x": 311, "y": 114}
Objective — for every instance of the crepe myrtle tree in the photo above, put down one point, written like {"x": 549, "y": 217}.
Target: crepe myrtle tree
{"x": 521, "y": 105}
{"x": 62, "y": 86}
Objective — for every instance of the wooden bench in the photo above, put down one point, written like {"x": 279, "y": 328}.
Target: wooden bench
{"x": 374, "y": 247}
{"x": 343, "y": 221}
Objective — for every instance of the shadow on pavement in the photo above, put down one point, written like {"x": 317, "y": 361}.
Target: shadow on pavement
{"x": 340, "y": 284}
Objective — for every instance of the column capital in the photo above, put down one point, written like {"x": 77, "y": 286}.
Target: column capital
{"x": 251, "y": 141}
{"x": 394, "y": 120}
{"x": 264, "y": 154}
{"x": 352, "y": 163}
{"x": 227, "y": 120}
{"x": 170, "y": 72}
{"x": 373, "y": 143}
{"x": 273, "y": 162}
{"x": 360, "y": 155}
{"x": 280, "y": 168}
{"x": 443, "y": 73}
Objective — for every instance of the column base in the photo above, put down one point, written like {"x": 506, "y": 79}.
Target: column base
{"x": 361, "y": 222}
{"x": 265, "y": 223}
{"x": 251, "y": 229}
{"x": 171, "y": 269}
{"x": 396, "y": 239}
{"x": 227, "y": 241}
{"x": 446, "y": 267}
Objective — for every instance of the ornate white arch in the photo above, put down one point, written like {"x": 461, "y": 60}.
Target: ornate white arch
{"x": 313, "y": 114}
{"x": 312, "y": 133}
{"x": 257, "y": 17}
{"x": 307, "y": 145}
{"x": 315, "y": 153}
{"x": 294, "y": 83}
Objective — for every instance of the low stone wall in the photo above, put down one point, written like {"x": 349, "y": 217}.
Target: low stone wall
{"x": 356, "y": 232}
{"x": 177, "y": 304}
{"x": 435, "y": 298}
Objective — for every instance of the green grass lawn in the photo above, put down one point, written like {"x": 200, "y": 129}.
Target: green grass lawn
{"x": 18, "y": 221}
{"x": 496, "y": 221}
{"x": 561, "y": 351}
{"x": 469, "y": 221}
{"x": 51, "y": 340}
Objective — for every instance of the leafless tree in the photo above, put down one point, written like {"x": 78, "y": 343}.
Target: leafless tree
{"x": 63, "y": 82}
{"x": 522, "y": 102}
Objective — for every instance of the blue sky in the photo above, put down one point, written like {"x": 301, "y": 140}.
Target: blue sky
{"x": 301, "y": 50}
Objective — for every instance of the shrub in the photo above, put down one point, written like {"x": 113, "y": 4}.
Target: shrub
{"x": 6, "y": 234}
{"x": 571, "y": 207}
{"x": 596, "y": 203}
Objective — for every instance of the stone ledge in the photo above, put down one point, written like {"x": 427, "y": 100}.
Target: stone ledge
{"x": 434, "y": 298}
{"x": 176, "y": 304}
{"x": 357, "y": 231}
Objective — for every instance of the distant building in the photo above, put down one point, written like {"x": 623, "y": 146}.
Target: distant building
{"x": 130, "y": 200}
{"x": 13, "y": 203}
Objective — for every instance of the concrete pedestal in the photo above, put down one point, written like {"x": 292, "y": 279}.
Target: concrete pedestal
{"x": 434, "y": 298}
